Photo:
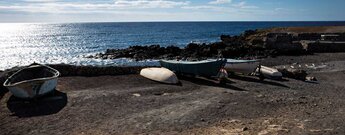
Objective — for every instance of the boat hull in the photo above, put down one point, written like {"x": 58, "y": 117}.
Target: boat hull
{"x": 33, "y": 81}
{"x": 33, "y": 89}
{"x": 207, "y": 68}
{"x": 241, "y": 66}
{"x": 162, "y": 75}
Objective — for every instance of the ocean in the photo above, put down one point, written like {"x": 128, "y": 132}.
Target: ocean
{"x": 22, "y": 44}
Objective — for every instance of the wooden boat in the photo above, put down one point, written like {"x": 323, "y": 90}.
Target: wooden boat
{"x": 271, "y": 73}
{"x": 206, "y": 68}
{"x": 32, "y": 81}
{"x": 160, "y": 74}
{"x": 241, "y": 66}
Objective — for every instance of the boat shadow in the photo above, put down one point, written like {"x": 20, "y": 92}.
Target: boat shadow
{"x": 250, "y": 79}
{"x": 210, "y": 82}
{"x": 46, "y": 105}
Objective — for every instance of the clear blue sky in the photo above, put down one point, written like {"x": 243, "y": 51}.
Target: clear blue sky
{"x": 170, "y": 10}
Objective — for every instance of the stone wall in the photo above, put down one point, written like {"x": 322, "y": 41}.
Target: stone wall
{"x": 294, "y": 48}
{"x": 70, "y": 70}
{"x": 291, "y": 44}
{"x": 319, "y": 47}
{"x": 308, "y": 36}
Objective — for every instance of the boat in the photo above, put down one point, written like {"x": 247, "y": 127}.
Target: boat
{"x": 206, "y": 68}
{"x": 268, "y": 72}
{"x": 160, "y": 75}
{"x": 32, "y": 81}
{"x": 241, "y": 66}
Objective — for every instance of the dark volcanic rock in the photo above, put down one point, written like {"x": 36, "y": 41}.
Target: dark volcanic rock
{"x": 230, "y": 47}
{"x": 140, "y": 52}
{"x": 249, "y": 32}
{"x": 252, "y": 43}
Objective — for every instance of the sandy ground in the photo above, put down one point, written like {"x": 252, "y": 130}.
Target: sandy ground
{"x": 131, "y": 104}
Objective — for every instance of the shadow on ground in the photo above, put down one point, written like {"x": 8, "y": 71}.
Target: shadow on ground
{"x": 210, "y": 82}
{"x": 46, "y": 105}
{"x": 249, "y": 79}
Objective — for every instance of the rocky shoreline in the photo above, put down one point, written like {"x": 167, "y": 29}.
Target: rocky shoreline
{"x": 230, "y": 47}
{"x": 251, "y": 44}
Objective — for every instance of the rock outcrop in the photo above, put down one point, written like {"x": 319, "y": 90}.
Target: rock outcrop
{"x": 229, "y": 47}
{"x": 252, "y": 43}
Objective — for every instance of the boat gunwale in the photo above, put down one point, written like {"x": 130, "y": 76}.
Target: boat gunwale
{"x": 241, "y": 61}
{"x": 8, "y": 83}
{"x": 192, "y": 62}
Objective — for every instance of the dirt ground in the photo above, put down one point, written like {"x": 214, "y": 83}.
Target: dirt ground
{"x": 131, "y": 104}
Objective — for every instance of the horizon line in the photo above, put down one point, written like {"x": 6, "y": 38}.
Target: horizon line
{"x": 159, "y": 22}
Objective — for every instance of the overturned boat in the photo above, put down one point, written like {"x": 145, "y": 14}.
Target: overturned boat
{"x": 162, "y": 75}
{"x": 32, "y": 81}
{"x": 241, "y": 66}
{"x": 206, "y": 68}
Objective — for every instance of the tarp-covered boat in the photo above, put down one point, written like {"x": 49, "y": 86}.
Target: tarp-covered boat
{"x": 207, "y": 68}
{"x": 32, "y": 81}
{"x": 241, "y": 66}
{"x": 271, "y": 73}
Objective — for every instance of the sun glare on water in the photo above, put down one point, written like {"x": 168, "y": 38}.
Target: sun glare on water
{"x": 6, "y": 28}
{"x": 15, "y": 40}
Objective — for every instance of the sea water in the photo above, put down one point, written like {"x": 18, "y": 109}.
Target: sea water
{"x": 22, "y": 44}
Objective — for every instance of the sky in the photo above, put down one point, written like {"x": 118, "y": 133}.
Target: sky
{"x": 28, "y": 11}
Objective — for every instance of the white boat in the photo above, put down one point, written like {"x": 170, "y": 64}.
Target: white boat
{"x": 32, "y": 81}
{"x": 271, "y": 73}
{"x": 241, "y": 66}
{"x": 160, "y": 75}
